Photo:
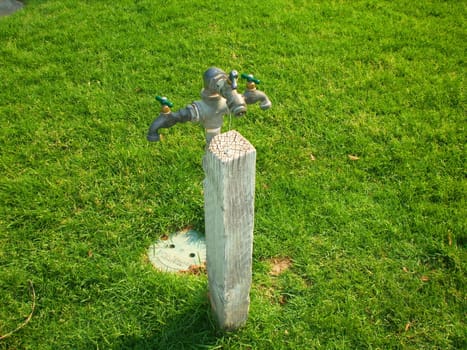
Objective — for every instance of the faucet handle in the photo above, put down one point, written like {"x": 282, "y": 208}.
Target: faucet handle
{"x": 233, "y": 76}
{"x": 250, "y": 78}
{"x": 165, "y": 104}
{"x": 164, "y": 101}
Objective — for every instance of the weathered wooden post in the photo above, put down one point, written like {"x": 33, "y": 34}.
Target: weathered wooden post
{"x": 229, "y": 189}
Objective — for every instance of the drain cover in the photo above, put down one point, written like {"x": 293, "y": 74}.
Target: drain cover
{"x": 180, "y": 251}
{"x": 7, "y": 7}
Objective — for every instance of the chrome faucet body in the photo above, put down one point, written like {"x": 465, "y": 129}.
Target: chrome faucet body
{"x": 218, "y": 98}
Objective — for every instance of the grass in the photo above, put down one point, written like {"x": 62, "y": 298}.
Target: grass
{"x": 377, "y": 244}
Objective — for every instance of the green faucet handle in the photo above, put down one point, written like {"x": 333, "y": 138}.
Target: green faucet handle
{"x": 164, "y": 101}
{"x": 250, "y": 78}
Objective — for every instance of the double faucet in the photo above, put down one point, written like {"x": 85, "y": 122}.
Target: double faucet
{"x": 218, "y": 98}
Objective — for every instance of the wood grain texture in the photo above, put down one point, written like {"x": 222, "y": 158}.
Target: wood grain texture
{"x": 229, "y": 189}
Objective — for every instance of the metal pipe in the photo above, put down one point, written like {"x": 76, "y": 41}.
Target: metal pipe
{"x": 218, "y": 98}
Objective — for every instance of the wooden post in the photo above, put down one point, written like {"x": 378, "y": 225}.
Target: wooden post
{"x": 229, "y": 190}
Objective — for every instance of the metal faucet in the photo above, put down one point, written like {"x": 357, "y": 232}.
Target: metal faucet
{"x": 218, "y": 98}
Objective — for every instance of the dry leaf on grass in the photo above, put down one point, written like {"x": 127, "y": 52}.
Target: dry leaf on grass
{"x": 195, "y": 269}
{"x": 352, "y": 157}
{"x": 186, "y": 229}
{"x": 312, "y": 157}
{"x": 282, "y": 299}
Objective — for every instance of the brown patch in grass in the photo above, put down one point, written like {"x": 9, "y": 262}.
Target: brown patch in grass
{"x": 279, "y": 265}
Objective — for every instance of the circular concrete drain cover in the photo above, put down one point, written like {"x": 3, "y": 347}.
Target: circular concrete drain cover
{"x": 178, "y": 252}
{"x": 7, "y": 7}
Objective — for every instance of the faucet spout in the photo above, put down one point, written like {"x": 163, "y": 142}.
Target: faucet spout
{"x": 235, "y": 102}
{"x": 167, "y": 120}
{"x": 253, "y": 95}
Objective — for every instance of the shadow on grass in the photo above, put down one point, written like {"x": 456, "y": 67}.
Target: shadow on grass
{"x": 186, "y": 331}
{"x": 194, "y": 328}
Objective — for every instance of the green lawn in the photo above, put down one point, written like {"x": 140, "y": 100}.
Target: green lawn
{"x": 360, "y": 172}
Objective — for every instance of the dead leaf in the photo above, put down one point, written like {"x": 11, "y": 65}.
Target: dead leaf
{"x": 424, "y": 278}
{"x": 195, "y": 269}
{"x": 279, "y": 265}
{"x": 186, "y": 229}
{"x": 352, "y": 157}
{"x": 164, "y": 237}
{"x": 312, "y": 157}
{"x": 407, "y": 326}
{"x": 406, "y": 270}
